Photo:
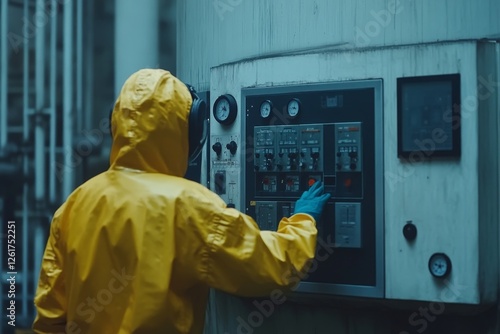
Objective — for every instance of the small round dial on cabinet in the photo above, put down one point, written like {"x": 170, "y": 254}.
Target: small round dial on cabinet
{"x": 265, "y": 109}
{"x": 439, "y": 265}
{"x": 293, "y": 108}
{"x": 225, "y": 109}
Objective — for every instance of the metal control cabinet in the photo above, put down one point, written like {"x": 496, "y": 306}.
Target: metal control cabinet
{"x": 336, "y": 137}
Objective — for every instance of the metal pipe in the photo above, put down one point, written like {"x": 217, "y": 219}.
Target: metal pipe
{"x": 38, "y": 247}
{"x": 37, "y": 225}
{"x": 39, "y": 160}
{"x": 3, "y": 72}
{"x": 39, "y": 106}
{"x": 26, "y": 90}
{"x": 53, "y": 101}
{"x": 89, "y": 61}
{"x": 39, "y": 125}
{"x": 68, "y": 82}
{"x": 79, "y": 64}
{"x": 26, "y": 190}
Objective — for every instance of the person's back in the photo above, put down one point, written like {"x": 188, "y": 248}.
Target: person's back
{"x": 136, "y": 248}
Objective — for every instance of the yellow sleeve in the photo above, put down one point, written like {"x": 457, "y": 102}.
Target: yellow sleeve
{"x": 243, "y": 260}
{"x": 50, "y": 295}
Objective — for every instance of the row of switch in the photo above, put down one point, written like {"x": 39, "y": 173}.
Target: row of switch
{"x": 293, "y": 166}
{"x": 292, "y": 155}
{"x": 293, "y": 163}
{"x": 232, "y": 147}
{"x": 353, "y": 155}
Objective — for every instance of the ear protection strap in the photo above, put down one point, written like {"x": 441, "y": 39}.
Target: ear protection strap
{"x": 198, "y": 123}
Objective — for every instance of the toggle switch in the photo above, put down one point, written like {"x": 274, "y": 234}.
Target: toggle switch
{"x": 217, "y": 147}
{"x": 232, "y": 147}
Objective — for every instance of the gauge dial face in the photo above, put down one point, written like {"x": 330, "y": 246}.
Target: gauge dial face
{"x": 265, "y": 109}
{"x": 225, "y": 109}
{"x": 293, "y": 107}
{"x": 222, "y": 110}
{"x": 439, "y": 265}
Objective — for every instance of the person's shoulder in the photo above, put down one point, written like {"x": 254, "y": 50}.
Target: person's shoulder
{"x": 192, "y": 186}
{"x": 91, "y": 184}
{"x": 93, "y": 180}
{"x": 198, "y": 193}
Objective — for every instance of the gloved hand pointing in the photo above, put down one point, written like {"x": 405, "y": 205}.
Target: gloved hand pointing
{"x": 312, "y": 201}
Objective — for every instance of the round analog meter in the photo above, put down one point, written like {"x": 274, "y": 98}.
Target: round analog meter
{"x": 265, "y": 109}
{"x": 293, "y": 108}
{"x": 440, "y": 265}
{"x": 225, "y": 109}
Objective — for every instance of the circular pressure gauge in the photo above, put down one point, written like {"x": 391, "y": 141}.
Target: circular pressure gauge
{"x": 439, "y": 265}
{"x": 265, "y": 109}
{"x": 293, "y": 108}
{"x": 225, "y": 109}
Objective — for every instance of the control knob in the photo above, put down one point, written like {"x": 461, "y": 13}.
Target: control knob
{"x": 217, "y": 147}
{"x": 232, "y": 147}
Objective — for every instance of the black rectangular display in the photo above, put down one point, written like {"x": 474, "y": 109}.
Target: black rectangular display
{"x": 429, "y": 117}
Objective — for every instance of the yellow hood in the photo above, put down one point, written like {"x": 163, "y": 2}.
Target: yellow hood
{"x": 150, "y": 124}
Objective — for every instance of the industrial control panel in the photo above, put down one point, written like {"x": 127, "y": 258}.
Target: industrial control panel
{"x": 293, "y": 137}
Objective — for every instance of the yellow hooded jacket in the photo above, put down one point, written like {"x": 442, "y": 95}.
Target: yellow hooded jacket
{"x": 136, "y": 248}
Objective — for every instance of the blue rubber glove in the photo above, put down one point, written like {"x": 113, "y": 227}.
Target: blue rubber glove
{"x": 312, "y": 201}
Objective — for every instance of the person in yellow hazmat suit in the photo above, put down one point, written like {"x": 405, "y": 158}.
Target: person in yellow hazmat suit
{"x": 136, "y": 248}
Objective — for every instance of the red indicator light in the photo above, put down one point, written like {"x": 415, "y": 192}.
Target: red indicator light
{"x": 347, "y": 183}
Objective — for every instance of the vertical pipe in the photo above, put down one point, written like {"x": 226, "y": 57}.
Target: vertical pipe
{"x": 136, "y": 45}
{"x": 39, "y": 150}
{"x": 39, "y": 240}
{"x": 89, "y": 63}
{"x": 37, "y": 225}
{"x": 68, "y": 82}
{"x": 26, "y": 188}
{"x": 39, "y": 106}
{"x": 79, "y": 64}
{"x": 26, "y": 91}
{"x": 4, "y": 5}
{"x": 53, "y": 101}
